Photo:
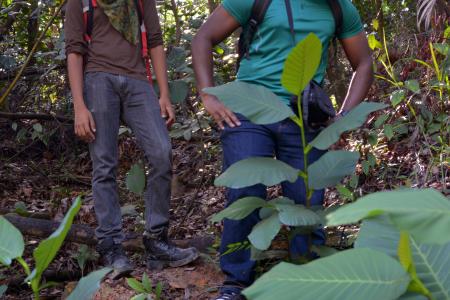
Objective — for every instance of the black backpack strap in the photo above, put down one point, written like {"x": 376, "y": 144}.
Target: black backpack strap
{"x": 258, "y": 13}
{"x": 290, "y": 20}
{"x": 336, "y": 9}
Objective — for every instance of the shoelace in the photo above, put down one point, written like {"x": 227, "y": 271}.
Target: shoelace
{"x": 227, "y": 296}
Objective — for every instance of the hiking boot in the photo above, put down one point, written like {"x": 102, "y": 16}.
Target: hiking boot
{"x": 112, "y": 255}
{"x": 230, "y": 296}
{"x": 161, "y": 253}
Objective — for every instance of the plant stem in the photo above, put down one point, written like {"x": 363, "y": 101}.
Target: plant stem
{"x": 24, "y": 265}
{"x": 305, "y": 151}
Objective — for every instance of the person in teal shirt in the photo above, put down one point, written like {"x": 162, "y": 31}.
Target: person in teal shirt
{"x": 263, "y": 66}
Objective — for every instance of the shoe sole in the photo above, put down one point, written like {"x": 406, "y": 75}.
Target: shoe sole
{"x": 117, "y": 274}
{"x": 161, "y": 264}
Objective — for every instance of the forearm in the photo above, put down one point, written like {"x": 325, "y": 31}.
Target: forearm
{"x": 359, "y": 86}
{"x": 202, "y": 60}
{"x": 158, "y": 57}
{"x": 75, "y": 71}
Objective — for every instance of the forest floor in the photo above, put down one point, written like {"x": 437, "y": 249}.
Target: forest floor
{"x": 45, "y": 179}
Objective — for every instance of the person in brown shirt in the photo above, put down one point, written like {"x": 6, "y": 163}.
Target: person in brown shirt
{"x": 108, "y": 80}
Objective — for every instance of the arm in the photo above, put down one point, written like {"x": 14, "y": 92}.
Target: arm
{"x": 219, "y": 26}
{"x": 84, "y": 122}
{"x": 358, "y": 53}
{"x": 76, "y": 48}
{"x": 160, "y": 67}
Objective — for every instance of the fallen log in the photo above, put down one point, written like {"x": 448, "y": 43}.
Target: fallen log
{"x": 28, "y": 116}
{"x": 84, "y": 234}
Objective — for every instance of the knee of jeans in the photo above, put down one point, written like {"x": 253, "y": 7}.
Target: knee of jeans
{"x": 104, "y": 173}
{"x": 161, "y": 158}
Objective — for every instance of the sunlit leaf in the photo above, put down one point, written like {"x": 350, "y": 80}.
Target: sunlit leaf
{"x": 301, "y": 64}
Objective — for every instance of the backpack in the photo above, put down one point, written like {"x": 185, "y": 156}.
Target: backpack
{"x": 88, "y": 19}
{"x": 259, "y": 10}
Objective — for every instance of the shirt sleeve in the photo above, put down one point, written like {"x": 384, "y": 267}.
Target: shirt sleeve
{"x": 152, "y": 24}
{"x": 74, "y": 28}
{"x": 240, "y": 10}
{"x": 352, "y": 24}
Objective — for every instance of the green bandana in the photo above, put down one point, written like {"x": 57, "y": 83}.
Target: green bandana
{"x": 122, "y": 15}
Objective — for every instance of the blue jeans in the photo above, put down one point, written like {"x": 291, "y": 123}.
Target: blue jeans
{"x": 282, "y": 140}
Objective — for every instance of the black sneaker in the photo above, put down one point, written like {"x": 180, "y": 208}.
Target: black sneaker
{"x": 112, "y": 255}
{"x": 230, "y": 296}
{"x": 161, "y": 253}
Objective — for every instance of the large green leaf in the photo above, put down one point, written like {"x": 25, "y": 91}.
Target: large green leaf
{"x": 254, "y": 170}
{"x": 47, "y": 249}
{"x": 240, "y": 209}
{"x": 331, "y": 168}
{"x": 263, "y": 233}
{"x": 432, "y": 262}
{"x": 354, "y": 119}
{"x": 351, "y": 274}
{"x": 297, "y": 215}
{"x": 425, "y": 214}
{"x": 255, "y": 102}
{"x": 88, "y": 285}
{"x": 136, "y": 179}
{"x": 179, "y": 90}
{"x": 11, "y": 245}
{"x": 301, "y": 64}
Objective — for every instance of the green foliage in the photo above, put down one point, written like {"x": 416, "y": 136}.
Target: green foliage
{"x": 88, "y": 285}
{"x": 240, "y": 209}
{"x": 406, "y": 259}
{"x": 254, "y": 170}
{"x": 136, "y": 179}
{"x": 301, "y": 64}
{"x": 12, "y": 245}
{"x": 263, "y": 233}
{"x": 83, "y": 255}
{"x": 47, "y": 249}
{"x": 354, "y": 119}
{"x": 255, "y": 102}
{"x": 3, "y": 289}
{"x": 351, "y": 274}
{"x": 331, "y": 168}
{"x": 425, "y": 214}
{"x": 431, "y": 261}
{"x": 179, "y": 90}
{"x": 145, "y": 288}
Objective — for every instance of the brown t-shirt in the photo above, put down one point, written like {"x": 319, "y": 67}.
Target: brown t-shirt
{"x": 109, "y": 51}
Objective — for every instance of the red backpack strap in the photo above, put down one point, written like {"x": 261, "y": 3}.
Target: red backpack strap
{"x": 88, "y": 18}
{"x": 144, "y": 44}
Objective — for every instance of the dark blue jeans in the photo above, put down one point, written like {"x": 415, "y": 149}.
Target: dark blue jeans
{"x": 282, "y": 140}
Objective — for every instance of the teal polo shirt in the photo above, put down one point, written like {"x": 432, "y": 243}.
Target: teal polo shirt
{"x": 273, "y": 42}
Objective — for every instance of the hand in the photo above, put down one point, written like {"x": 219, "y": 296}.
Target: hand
{"x": 84, "y": 125}
{"x": 167, "y": 112}
{"x": 219, "y": 112}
